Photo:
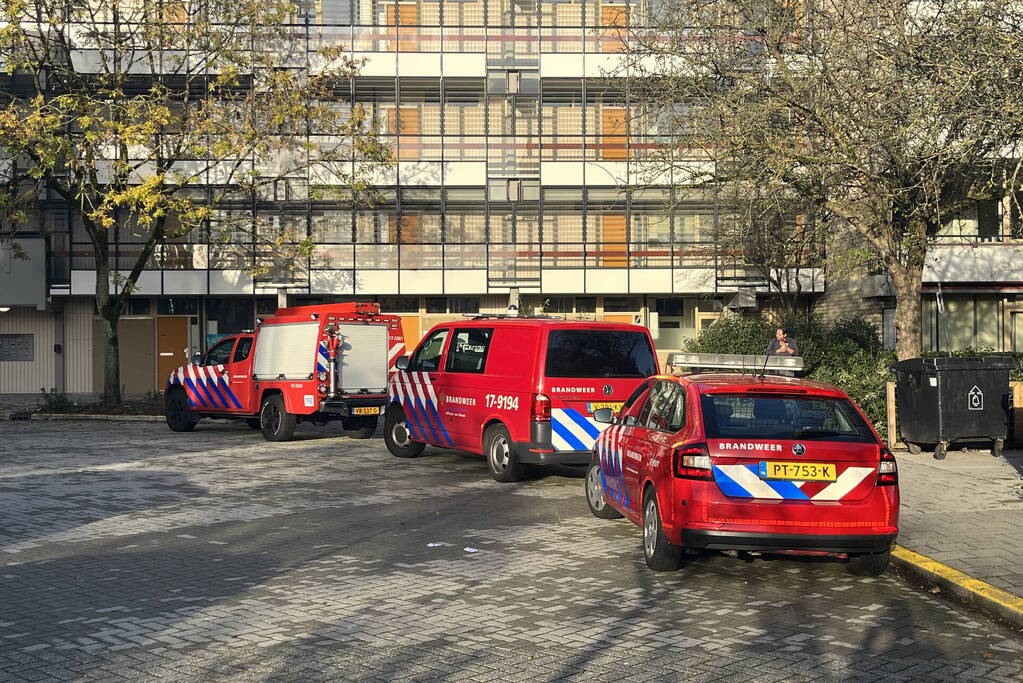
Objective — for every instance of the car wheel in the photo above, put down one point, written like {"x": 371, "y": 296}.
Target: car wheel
{"x": 504, "y": 465}
{"x": 360, "y": 427}
{"x": 661, "y": 555}
{"x": 397, "y": 436}
{"x": 252, "y": 422}
{"x": 914, "y": 448}
{"x": 868, "y": 564}
{"x": 276, "y": 423}
{"x": 178, "y": 413}
{"x": 595, "y": 495}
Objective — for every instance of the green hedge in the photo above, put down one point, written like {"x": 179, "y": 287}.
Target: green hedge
{"x": 846, "y": 353}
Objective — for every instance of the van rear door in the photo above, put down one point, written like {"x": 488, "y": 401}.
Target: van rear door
{"x": 587, "y": 368}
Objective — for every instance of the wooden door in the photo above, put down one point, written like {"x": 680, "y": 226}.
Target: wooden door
{"x": 405, "y": 17}
{"x": 614, "y": 248}
{"x": 613, "y": 131}
{"x": 171, "y": 346}
{"x": 615, "y": 19}
{"x": 404, "y": 123}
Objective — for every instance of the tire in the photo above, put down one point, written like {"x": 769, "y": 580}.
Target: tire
{"x": 595, "y": 495}
{"x": 660, "y": 554}
{"x": 252, "y": 422}
{"x": 396, "y": 435}
{"x": 178, "y": 413}
{"x": 276, "y": 423}
{"x": 914, "y": 448}
{"x": 868, "y": 564}
{"x": 940, "y": 450}
{"x": 502, "y": 462}
{"x": 361, "y": 427}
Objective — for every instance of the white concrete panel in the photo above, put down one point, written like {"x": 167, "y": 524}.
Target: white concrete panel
{"x": 421, "y": 282}
{"x": 602, "y": 65}
{"x": 650, "y": 280}
{"x": 607, "y": 173}
{"x": 470, "y": 64}
{"x": 694, "y": 280}
{"x": 465, "y": 282}
{"x": 420, "y": 173}
{"x": 974, "y": 263}
{"x": 376, "y": 282}
{"x": 554, "y": 65}
{"x": 419, "y": 64}
{"x": 607, "y": 281}
{"x": 230, "y": 282}
{"x": 562, "y": 173}
{"x": 563, "y": 281}
{"x": 377, "y": 63}
{"x": 83, "y": 282}
{"x": 465, "y": 173}
{"x": 382, "y": 175}
{"x": 184, "y": 282}
{"x": 332, "y": 282}
{"x": 149, "y": 282}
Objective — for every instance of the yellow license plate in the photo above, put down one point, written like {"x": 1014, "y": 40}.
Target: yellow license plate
{"x": 373, "y": 410}
{"x": 614, "y": 406}
{"x": 799, "y": 471}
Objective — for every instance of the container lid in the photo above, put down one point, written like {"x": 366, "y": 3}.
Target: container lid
{"x": 956, "y": 363}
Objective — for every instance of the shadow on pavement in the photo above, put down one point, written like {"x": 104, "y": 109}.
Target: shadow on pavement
{"x": 55, "y": 502}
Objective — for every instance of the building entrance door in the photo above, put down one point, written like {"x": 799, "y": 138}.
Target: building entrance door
{"x": 1016, "y": 319}
{"x": 171, "y": 346}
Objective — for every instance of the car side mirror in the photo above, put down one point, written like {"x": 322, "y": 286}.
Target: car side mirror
{"x": 603, "y": 415}
{"x": 196, "y": 358}
{"x": 401, "y": 363}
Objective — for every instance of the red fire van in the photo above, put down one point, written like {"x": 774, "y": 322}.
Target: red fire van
{"x": 519, "y": 390}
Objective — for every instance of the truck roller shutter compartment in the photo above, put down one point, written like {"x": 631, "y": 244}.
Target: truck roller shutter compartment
{"x": 363, "y": 358}
{"x": 286, "y": 351}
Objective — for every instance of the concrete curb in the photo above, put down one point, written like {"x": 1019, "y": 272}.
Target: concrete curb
{"x": 78, "y": 417}
{"x": 987, "y": 598}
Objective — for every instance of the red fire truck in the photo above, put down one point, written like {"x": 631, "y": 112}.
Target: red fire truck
{"x": 305, "y": 363}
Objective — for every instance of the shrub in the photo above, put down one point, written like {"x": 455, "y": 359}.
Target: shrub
{"x": 56, "y": 402}
{"x": 846, "y": 353}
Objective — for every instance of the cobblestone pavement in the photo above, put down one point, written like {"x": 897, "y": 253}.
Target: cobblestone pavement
{"x": 965, "y": 511}
{"x": 130, "y": 552}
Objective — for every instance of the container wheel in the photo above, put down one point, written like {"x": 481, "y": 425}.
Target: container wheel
{"x": 998, "y": 448}
{"x": 914, "y": 448}
{"x": 940, "y": 450}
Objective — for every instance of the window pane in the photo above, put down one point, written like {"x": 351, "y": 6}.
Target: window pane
{"x": 469, "y": 349}
{"x": 578, "y": 353}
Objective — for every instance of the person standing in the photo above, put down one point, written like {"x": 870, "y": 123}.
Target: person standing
{"x": 782, "y": 345}
{"x": 785, "y": 346}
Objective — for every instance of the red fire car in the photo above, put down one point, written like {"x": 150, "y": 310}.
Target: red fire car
{"x": 740, "y": 462}
{"x": 521, "y": 391}
{"x": 315, "y": 363}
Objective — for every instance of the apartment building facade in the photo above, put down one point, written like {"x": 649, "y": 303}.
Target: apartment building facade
{"x": 519, "y": 168}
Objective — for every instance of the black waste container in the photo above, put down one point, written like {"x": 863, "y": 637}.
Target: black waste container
{"x": 941, "y": 401}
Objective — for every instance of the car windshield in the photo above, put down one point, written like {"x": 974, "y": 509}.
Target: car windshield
{"x": 599, "y": 353}
{"x": 783, "y": 417}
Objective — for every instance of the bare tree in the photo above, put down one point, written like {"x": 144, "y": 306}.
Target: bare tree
{"x": 157, "y": 119}
{"x": 891, "y": 116}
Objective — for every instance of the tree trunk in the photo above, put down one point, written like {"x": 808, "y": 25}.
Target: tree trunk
{"x": 111, "y": 361}
{"x": 110, "y": 314}
{"x": 906, "y": 282}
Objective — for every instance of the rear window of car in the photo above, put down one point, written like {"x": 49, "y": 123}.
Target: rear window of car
{"x": 599, "y": 353}
{"x": 782, "y": 417}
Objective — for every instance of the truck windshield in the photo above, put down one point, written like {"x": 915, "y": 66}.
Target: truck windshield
{"x": 599, "y": 353}
{"x": 783, "y": 417}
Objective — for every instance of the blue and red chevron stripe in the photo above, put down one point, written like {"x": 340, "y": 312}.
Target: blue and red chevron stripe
{"x": 206, "y": 387}
{"x": 414, "y": 391}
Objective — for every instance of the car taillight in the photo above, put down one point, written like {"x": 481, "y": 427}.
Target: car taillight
{"x": 541, "y": 411}
{"x": 887, "y": 470}
{"x": 692, "y": 461}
